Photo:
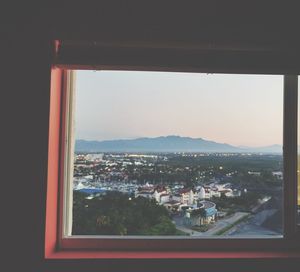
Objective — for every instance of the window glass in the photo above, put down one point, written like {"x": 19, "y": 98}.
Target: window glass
{"x": 184, "y": 154}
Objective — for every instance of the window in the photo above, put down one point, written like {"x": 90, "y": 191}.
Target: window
{"x": 200, "y": 193}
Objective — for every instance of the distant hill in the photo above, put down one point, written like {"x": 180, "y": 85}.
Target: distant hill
{"x": 166, "y": 144}
{"x": 266, "y": 149}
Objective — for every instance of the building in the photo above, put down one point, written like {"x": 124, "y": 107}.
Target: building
{"x": 159, "y": 193}
{"x": 164, "y": 198}
{"x": 201, "y": 214}
{"x": 95, "y": 157}
{"x": 278, "y": 174}
{"x": 185, "y": 196}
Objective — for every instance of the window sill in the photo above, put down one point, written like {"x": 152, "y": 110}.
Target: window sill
{"x": 172, "y": 255}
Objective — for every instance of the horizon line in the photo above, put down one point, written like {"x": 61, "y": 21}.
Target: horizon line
{"x": 179, "y": 136}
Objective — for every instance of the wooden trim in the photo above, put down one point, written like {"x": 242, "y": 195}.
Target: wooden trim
{"x": 290, "y": 154}
{"x": 53, "y": 162}
{"x": 177, "y": 59}
{"x": 89, "y": 254}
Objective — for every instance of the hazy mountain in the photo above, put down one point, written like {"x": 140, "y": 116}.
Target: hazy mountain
{"x": 266, "y": 149}
{"x": 165, "y": 144}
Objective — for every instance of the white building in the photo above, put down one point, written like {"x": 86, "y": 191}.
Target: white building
{"x": 186, "y": 196}
{"x": 94, "y": 157}
{"x": 201, "y": 193}
{"x": 150, "y": 191}
{"x": 278, "y": 174}
{"x": 164, "y": 198}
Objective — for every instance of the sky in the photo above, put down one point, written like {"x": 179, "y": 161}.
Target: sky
{"x": 242, "y": 110}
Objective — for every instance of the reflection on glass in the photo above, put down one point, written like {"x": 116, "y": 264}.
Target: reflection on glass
{"x": 180, "y": 154}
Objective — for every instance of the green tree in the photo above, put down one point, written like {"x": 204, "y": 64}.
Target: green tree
{"x": 118, "y": 214}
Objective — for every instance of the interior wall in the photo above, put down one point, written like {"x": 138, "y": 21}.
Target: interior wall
{"x": 26, "y": 54}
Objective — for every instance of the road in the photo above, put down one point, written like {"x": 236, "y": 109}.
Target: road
{"x": 224, "y": 223}
{"x": 218, "y": 226}
{"x": 253, "y": 226}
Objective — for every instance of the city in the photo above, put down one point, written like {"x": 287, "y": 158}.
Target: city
{"x": 191, "y": 194}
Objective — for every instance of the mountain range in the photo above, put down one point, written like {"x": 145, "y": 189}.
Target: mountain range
{"x": 170, "y": 143}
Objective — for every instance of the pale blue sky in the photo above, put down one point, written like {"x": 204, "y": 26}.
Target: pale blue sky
{"x": 235, "y": 109}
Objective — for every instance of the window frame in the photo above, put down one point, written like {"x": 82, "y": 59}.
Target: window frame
{"x": 177, "y": 245}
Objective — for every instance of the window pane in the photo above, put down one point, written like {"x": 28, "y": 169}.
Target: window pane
{"x": 185, "y": 154}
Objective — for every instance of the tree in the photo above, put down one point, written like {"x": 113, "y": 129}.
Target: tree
{"x": 118, "y": 214}
{"x": 164, "y": 227}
